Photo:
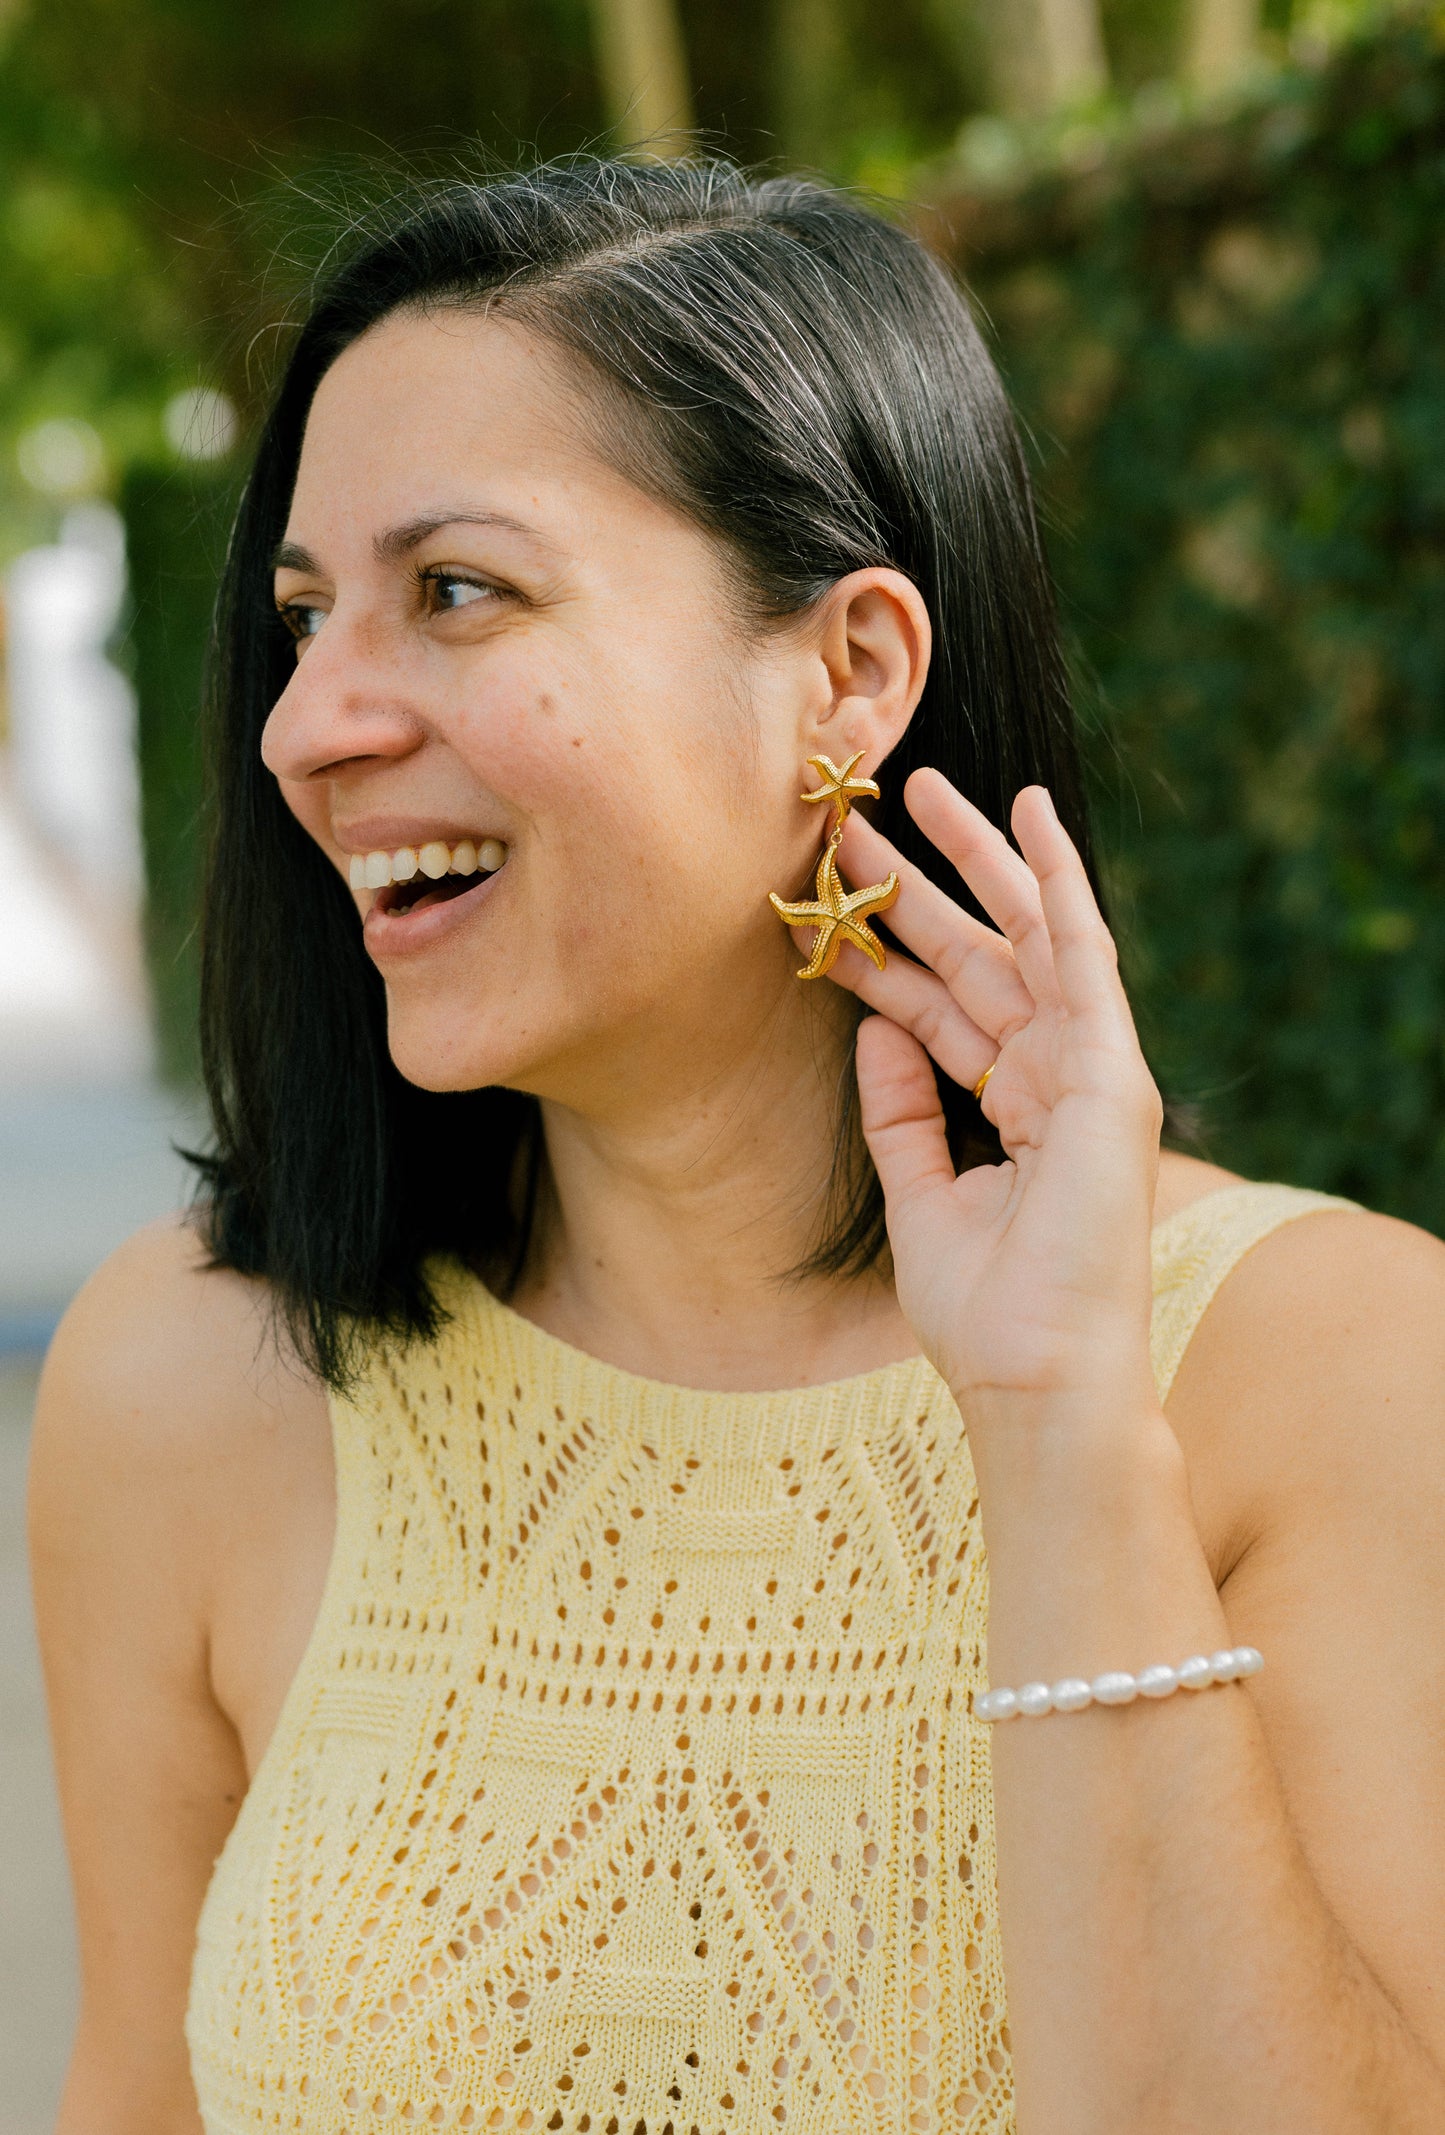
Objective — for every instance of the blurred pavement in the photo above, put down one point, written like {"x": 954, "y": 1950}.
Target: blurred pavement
{"x": 82, "y": 1165}
{"x": 37, "y": 1962}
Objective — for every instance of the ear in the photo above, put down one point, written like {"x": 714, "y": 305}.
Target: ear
{"x": 873, "y": 644}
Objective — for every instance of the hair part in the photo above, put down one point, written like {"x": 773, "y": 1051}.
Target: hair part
{"x": 801, "y": 380}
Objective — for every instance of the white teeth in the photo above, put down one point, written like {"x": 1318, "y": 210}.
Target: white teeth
{"x": 373, "y": 871}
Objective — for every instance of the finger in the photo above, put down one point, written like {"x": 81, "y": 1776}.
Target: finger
{"x": 1002, "y": 882}
{"x": 1086, "y": 961}
{"x": 902, "y": 1117}
{"x": 974, "y": 961}
{"x": 918, "y": 1001}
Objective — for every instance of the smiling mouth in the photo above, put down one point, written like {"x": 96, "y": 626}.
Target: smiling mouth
{"x": 410, "y": 879}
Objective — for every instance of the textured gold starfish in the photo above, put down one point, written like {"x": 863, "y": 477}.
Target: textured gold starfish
{"x": 839, "y": 915}
{"x": 837, "y": 785}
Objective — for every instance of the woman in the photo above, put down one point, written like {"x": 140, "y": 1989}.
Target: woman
{"x": 573, "y": 1633}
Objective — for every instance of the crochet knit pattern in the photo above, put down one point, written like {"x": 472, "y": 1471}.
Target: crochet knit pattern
{"x": 628, "y": 1784}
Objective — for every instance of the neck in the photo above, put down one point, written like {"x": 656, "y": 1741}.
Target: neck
{"x": 671, "y": 1221}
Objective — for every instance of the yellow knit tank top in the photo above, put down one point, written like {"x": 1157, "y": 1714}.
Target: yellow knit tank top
{"x": 628, "y": 1784}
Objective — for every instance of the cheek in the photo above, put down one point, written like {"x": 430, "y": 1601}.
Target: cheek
{"x": 523, "y": 742}
{"x": 642, "y": 856}
{"x": 598, "y": 781}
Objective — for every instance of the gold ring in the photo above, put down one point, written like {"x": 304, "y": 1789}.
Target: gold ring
{"x": 983, "y": 1078}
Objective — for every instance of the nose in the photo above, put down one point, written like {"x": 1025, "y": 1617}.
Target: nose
{"x": 346, "y": 703}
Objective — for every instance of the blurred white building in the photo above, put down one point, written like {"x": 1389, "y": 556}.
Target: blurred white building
{"x": 73, "y": 1002}
{"x": 87, "y": 1134}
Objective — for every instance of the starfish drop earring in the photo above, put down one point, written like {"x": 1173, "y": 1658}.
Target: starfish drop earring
{"x": 839, "y": 915}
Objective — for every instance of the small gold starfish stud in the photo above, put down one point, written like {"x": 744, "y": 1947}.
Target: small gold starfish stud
{"x": 838, "y": 785}
{"x": 840, "y": 915}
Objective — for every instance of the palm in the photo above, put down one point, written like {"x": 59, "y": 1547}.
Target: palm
{"x": 1022, "y": 1280}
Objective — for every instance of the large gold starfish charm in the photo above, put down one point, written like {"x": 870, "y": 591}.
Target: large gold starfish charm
{"x": 837, "y": 785}
{"x": 839, "y": 915}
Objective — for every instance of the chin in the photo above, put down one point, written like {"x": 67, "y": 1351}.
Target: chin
{"x": 438, "y": 1058}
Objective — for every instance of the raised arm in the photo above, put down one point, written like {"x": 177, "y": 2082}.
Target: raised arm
{"x": 1220, "y": 1911}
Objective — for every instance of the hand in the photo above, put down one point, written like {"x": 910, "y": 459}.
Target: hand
{"x": 1027, "y": 1283}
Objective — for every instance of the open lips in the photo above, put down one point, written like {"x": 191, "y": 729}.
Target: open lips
{"x": 413, "y": 876}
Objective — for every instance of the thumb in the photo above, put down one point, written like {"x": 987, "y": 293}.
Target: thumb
{"x": 902, "y": 1117}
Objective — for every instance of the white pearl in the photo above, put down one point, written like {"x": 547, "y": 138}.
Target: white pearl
{"x": 403, "y": 864}
{"x": 996, "y": 1704}
{"x": 378, "y": 870}
{"x": 434, "y": 859}
{"x": 1117, "y": 1687}
{"x": 1071, "y": 1694}
{"x": 357, "y": 871}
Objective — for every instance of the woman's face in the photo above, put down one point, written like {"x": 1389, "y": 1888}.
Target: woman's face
{"x": 503, "y": 644}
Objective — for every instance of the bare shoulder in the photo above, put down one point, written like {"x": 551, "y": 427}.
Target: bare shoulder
{"x": 160, "y": 1362}
{"x": 175, "y": 1426}
{"x": 1317, "y": 1374}
{"x": 1338, "y": 1313}
{"x": 157, "y": 1323}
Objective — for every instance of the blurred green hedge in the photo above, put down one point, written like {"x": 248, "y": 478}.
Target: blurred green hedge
{"x": 1228, "y": 345}
{"x": 176, "y": 521}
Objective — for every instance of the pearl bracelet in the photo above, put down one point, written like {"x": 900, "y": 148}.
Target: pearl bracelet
{"x": 1117, "y": 1687}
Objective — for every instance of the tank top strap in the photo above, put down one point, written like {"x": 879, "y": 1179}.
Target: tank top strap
{"x": 1197, "y": 1247}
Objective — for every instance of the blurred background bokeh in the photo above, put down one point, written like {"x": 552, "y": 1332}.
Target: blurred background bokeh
{"x": 1206, "y": 239}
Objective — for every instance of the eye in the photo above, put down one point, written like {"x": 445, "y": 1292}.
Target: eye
{"x": 302, "y": 618}
{"x": 447, "y": 590}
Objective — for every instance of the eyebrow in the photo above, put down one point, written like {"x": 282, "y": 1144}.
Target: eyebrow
{"x": 399, "y": 541}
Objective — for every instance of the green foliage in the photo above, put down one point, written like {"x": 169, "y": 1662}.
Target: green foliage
{"x": 92, "y": 324}
{"x": 176, "y": 523}
{"x": 188, "y": 113}
{"x": 1226, "y": 343}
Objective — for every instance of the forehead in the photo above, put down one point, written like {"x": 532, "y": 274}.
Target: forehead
{"x": 427, "y": 400}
